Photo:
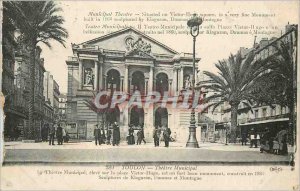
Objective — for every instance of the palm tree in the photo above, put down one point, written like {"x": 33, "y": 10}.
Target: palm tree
{"x": 37, "y": 22}
{"x": 233, "y": 84}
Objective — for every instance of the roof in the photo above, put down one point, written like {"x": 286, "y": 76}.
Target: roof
{"x": 125, "y": 30}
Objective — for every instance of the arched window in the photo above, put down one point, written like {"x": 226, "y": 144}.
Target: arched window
{"x": 113, "y": 80}
{"x": 162, "y": 83}
{"x": 138, "y": 82}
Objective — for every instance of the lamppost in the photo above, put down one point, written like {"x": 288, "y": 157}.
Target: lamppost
{"x": 194, "y": 24}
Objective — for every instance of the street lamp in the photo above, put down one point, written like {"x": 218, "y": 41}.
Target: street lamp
{"x": 193, "y": 24}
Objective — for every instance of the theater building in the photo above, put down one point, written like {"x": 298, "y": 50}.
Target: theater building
{"x": 127, "y": 60}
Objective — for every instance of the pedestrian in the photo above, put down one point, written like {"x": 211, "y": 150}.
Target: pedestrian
{"x": 108, "y": 137}
{"x": 244, "y": 138}
{"x": 282, "y": 141}
{"x": 97, "y": 134}
{"x": 59, "y": 135}
{"x": 64, "y": 134}
{"x": 253, "y": 137}
{"x": 52, "y": 129}
{"x": 266, "y": 142}
{"x": 167, "y": 134}
{"x": 130, "y": 137}
{"x": 116, "y": 134}
{"x": 139, "y": 137}
{"x": 142, "y": 134}
{"x": 44, "y": 132}
{"x": 156, "y": 136}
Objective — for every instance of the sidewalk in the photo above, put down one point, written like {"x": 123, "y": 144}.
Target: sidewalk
{"x": 89, "y": 153}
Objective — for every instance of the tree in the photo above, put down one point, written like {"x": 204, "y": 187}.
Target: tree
{"x": 37, "y": 22}
{"x": 277, "y": 86}
{"x": 234, "y": 84}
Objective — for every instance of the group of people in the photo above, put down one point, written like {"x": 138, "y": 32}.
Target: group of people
{"x": 140, "y": 136}
{"x": 276, "y": 145}
{"x": 112, "y": 135}
{"x": 166, "y": 132}
{"x": 268, "y": 142}
{"x": 60, "y": 133}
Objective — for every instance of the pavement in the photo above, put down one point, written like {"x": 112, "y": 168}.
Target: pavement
{"x": 88, "y": 153}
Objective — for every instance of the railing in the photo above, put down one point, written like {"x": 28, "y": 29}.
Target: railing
{"x": 269, "y": 118}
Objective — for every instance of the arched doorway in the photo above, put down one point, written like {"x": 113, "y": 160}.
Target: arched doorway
{"x": 113, "y": 115}
{"x": 113, "y": 80}
{"x": 162, "y": 83}
{"x": 136, "y": 116}
{"x": 161, "y": 117}
{"x": 138, "y": 82}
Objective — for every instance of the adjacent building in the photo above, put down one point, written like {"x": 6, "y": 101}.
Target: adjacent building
{"x": 261, "y": 116}
{"x": 127, "y": 60}
{"x": 51, "y": 95}
{"x": 21, "y": 88}
{"x": 62, "y": 107}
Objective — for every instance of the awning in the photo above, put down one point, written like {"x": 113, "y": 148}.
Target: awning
{"x": 265, "y": 121}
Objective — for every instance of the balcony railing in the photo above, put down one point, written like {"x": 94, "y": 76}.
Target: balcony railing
{"x": 268, "y": 118}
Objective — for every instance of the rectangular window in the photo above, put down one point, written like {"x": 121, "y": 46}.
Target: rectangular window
{"x": 256, "y": 113}
{"x": 264, "y": 112}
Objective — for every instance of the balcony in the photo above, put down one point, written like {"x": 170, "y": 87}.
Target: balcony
{"x": 269, "y": 118}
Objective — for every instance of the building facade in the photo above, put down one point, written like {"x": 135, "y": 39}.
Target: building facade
{"x": 260, "y": 116}
{"x": 22, "y": 86}
{"x": 51, "y": 94}
{"x": 264, "y": 116}
{"x": 127, "y": 60}
{"x": 62, "y": 107}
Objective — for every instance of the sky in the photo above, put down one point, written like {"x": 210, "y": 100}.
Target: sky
{"x": 210, "y": 48}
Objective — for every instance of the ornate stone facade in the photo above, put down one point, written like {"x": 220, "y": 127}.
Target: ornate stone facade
{"x": 127, "y": 60}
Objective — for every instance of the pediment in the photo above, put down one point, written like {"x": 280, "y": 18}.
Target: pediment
{"x": 128, "y": 39}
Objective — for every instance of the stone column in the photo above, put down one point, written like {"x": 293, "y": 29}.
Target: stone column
{"x": 96, "y": 87}
{"x": 126, "y": 116}
{"x": 129, "y": 84}
{"x": 170, "y": 87}
{"x": 146, "y": 86}
{"x": 150, "y": 82}
{"x": 105, "y": 82}
{"x": 175, "y": 83}
{"x": 100, "y": 76}
{"x": 122, "y": 84}
{"x": 80, "y": 74}
{"x": 126, "y": 79}
{"x": 154, "y": 82}
{"x": 181, "y": 78}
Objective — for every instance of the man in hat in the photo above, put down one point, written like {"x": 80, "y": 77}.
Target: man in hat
{"x": 116, "y": 134}
{"x": 52, "y": 133}
{"x": 97, "y": 134}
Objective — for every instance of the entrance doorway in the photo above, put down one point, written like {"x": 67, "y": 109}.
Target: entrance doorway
{"x": 136, "y": 116}
{"x": 161, "y": 117}
{"x": 113, "y": 115}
